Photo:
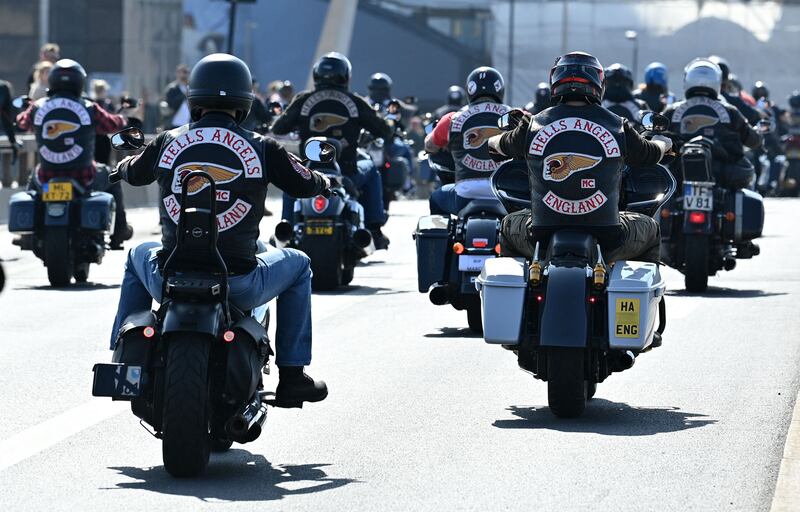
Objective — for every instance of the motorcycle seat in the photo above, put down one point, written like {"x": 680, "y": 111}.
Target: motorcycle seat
{"x": 574, "y": 243}
{"x": 486, "y": 206}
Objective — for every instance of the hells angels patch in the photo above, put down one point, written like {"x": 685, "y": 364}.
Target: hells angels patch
{"x": 237, "y": 144}
{"x": 575, "y": 124}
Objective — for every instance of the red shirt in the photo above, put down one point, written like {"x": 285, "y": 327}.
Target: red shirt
{"x": 104, "y": 123}
{"x": 441, "y": 133}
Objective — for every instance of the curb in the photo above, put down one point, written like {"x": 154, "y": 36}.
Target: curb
{"x": 787, "y": 489}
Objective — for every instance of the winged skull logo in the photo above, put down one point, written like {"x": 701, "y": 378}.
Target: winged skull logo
{"x": 54, "y": 129}
{"x": 219, "y": 173}
{"x": 322, "y": 122}
{"x": 477, "y": 136}
{"x": 696, "y": 122}
{"x": 560, "y": 166}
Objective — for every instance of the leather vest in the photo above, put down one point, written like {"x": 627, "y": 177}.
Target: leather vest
{"x": 234, "y": 157}
{"x": 575, "y": 163}
{"x": 470, "y": 129}
{"x": 332, "y": 113}
{"x": 700, "y": 116}
{"x": 627, "y": 109}
{"x": 65, "y": 132}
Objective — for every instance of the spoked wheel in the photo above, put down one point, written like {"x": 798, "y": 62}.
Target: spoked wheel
{"x": 566, "y": 383}
{"x": 186, "y": 441}
{"x": 696, "y": 263}
{"x": 474, "y": 317}
{"x": 58, "y": 256}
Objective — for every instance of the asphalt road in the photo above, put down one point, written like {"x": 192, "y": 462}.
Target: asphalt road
{"x": 421, "y": 415}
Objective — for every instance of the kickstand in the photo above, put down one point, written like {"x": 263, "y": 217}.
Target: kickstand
{"x": 153, "y": 433}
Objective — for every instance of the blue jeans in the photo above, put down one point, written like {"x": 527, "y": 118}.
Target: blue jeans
{"x": 445, "y": 201}
{"x": 282, "y": 273}
{"x": 368, "y": 182}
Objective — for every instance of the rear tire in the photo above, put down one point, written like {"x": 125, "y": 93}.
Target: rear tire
{"x": 186, "y": 442}
{"x": 474, "y": 317}
{"x": 347, "y": 275}
{"x": 566, "y": 383}
{"x": 326, "y": 265}
{"x": 58, "y": 257}
{"x": 695, "y": 262}
{"x": 591, "y": 389}
{"x": 81, "y": 273}
{"x": 221, "y": 445}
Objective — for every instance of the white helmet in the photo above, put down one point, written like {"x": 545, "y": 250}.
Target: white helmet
{"x": 702, "y": 77}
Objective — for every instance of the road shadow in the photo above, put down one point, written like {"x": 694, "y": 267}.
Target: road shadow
{"x": 608, "y": 418}
{"x": 727, "y": 293}
{"x": 362, "y": 290}
{"x": 78, "y": 287}
{"x": 453, "y": 332}
{"x": 237, "y": 475}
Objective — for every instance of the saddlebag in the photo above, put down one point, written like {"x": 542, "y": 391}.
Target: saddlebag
{"x": 635, "y": 289}
{"x": 432, "y": 252}
{"x": 22, "y": 212}
{"x": 133, "y": 347}
{"x": 97, "y": 212}
{"x": 246, "y": 355}
{"x": 696, "y": 163}
{"x": 749, "y": 221}
{"x": 502, "y": 286}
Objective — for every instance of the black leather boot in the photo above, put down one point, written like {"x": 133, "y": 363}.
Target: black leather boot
{"x": 295, "y": 387}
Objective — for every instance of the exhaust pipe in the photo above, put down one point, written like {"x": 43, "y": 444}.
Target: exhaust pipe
{"x": 246, "y": 426}
{"x": 438, "y": 294}
{"x": 362, "y": 238}
{"x": 284, "y": 231}
{"x": 623, "y": 361}
{"x": 729, "y": 263}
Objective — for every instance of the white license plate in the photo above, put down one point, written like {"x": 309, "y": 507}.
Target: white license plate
{"x": 471, "y": 263}
{"x": 698, "y": 196}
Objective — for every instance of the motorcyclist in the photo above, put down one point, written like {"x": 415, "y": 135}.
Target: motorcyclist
{"x": 618, "y": 94}
{"x": 242, "y": 164}
{"x": 730, "y": 92}
{"x": 331, "y": 110}
{"x": 456, "y": 97}
{"x": 65, "y": 124}
{"x": 7, "y": 116}
{"x": 656, "y": 91}
{"x": 772, "y": 139}
{"x": 464, "y": 135}
{"x": 703, "y": 112}
{"x": 541, "y": 99}
{"x": 576, "y": 152}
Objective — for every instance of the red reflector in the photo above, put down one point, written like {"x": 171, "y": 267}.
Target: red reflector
{"x": 149, "y": 332}
{"x": 697, "y": 217}
{"x": 228, "y": 336}
{"x": 387, "y": 165}
{"x": 480, "y": 243}
{"x": 540, "y": 298}
{"x": 320, "y": 204}
{"x": 592, "y": 300}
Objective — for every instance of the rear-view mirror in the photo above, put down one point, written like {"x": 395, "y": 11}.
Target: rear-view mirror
{"x": 128, "y": 139}
{"x": 317, "y": 150}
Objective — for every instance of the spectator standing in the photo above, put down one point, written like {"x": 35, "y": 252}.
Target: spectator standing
{"x": 176, "y": 111}
{"x": 38, "y": 89}
{"x": 102, "y": 142}
{"x": 49, "y": 52}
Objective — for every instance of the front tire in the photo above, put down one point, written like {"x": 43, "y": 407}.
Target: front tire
{"x": 566, "y": 382}
{"x": 695, "y": 262}
{"x": 58, "y": 257}
{"x": 186, "y": 442}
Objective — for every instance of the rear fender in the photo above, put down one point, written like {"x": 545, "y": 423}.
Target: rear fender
{"x": 206, "y": 318}
{"x": 56, "y": 213}
{"x": 477, "y": 229}
{"x": 564, "y": 321}
{"x": 334, "y": 208}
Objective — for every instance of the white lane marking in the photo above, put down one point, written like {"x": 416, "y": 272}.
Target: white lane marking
{"x": 787, "y": 490}
{"x": 54, "y": 430}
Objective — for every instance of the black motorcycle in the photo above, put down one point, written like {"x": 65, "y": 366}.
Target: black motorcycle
{"x": 328, "y": 228}
{"x": 395, "y": 168}
{"x": 570, "y": 318}
{"x": 707, "y": 227}
{"x": 192, "y": 369}
{"x": 451, "y": 251}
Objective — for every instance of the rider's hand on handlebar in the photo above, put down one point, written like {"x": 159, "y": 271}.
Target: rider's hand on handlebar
{"x": 666, "y": 142}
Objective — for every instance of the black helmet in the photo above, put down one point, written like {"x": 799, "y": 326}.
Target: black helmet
{"x": 332, "y": 70}
{"x": 455, "y": 96}
{"x": 794, "y": 100}
{"x": 485, "y": 82}
{"x": 380, "y": 86}
{"x": 66, "y": 76}
{"x": 620, "y": 76}
{"x": 577, "y": 76}
{"x": 760, "y": 90}
{"x": 723, "y": 65}
{"x": 220, "y": 81}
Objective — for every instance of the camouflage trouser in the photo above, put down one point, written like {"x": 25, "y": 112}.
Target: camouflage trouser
{"x": 641, "y": 237}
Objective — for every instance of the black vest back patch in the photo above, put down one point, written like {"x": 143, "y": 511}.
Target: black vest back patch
{"x": 65, "y": 132}
{"x": 470, "y": 130}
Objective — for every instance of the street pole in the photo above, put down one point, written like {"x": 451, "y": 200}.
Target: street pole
{"x": 633, "y": 37}
{"x": 231, "y": 25}
{"x": 564, "y": 26}
{"x": 337, "y": 30}
{"x": 511, "y": 49}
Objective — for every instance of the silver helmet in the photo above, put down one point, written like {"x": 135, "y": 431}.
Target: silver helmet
{"x": 702, "y": 77}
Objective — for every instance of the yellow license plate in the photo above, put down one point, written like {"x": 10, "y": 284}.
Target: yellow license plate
{"x": 60, "y": 191}
{"x": 319, "y": 230}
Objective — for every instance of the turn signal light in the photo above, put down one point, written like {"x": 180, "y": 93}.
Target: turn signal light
{"x": 730, "y": 216}
{"x": 228, "y": 336}
{"x": 697, "y": 217}
{"x": 497, "y": 249}
{"x": 458, "y": 248}
{"x": 665, "y": 213}
{"x": 148, "y": 332}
